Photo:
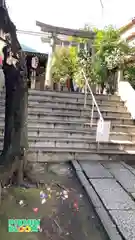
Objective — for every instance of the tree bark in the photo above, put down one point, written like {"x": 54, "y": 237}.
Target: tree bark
{"x": 15, "y": 134}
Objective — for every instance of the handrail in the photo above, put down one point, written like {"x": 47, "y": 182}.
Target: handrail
{"x": 93, "y": 99}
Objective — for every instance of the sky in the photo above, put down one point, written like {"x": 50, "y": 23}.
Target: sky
{"x": 71, "y": 13}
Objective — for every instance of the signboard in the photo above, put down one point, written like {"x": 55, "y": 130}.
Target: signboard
{"x": 34, "y": 62}
{"x": 103, "y": 131}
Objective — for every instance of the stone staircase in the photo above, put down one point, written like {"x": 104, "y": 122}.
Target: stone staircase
{"x": 59, "y": 129}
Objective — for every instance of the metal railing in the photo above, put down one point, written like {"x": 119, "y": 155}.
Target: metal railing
{"x": 94, "y": 102}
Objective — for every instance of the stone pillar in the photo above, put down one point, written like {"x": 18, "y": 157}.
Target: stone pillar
{"x": 33, "y": 79}
{"x": 93, "y": 51}
{"x": 48, "y": 75}
{"x": 85, "y": 47}
{"x": 119, "y": 78}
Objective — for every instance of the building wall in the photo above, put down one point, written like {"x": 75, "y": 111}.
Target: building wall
{"x": 132, "y": 42}
{"x": 128, "y": 33}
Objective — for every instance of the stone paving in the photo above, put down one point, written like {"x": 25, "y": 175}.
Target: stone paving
{"x": 125, "y": 177}
{"x": 114, "y": 187}
{"x": 95, "y": 170}
{"x": 112, "y": 194}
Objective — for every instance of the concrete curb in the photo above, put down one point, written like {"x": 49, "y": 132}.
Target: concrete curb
{"x": 105, "y": 219}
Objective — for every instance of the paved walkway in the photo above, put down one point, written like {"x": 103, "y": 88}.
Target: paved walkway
{"x": 111, "y": 188}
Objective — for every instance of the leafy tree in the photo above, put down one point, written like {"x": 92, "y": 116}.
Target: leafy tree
{"x": 64, "y": 63}
{"x": 110, "y": 54}
{"x": 109, "y": 47}
{"x": 129, "y": 74}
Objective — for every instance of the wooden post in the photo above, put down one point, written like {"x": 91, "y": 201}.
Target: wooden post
{"x": 93, "y": 52}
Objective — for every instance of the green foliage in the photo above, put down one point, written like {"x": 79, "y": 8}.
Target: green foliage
{"x": 129, "y": 74}
{"x": 64, "y": 63}
{"x": 110, "y": 52}
{"x": 78, "y": 78}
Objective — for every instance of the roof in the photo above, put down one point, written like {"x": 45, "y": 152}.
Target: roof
{"x": 65, "y": 31}
{"x": 127, "y": 26}
{"x": 38, "y": 47}
{"x": 28, "y": 49}
{"x": 131, "y": 37}
{"x": 32, "y": 44}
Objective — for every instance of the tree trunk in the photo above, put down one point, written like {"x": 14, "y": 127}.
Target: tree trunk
{"x": 15, "y": 135}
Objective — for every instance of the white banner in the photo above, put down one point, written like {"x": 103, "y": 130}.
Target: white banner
{"x": 103, "y": 131}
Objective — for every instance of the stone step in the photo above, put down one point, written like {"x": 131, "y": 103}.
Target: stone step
{"x": 80, "y": 143}
{"x": 72, "y": 125}
{"x": 76, "y": 106}
{"x": 77, "y": 112}
{"x": 58, "y": 134}
{"x": 83, "y": 120}
{"x": 84, "y": 116}
{"x": 123, "y": 128}
{"x": 70, "y": 94}
{"x": 73, "y": 113}
{"x": 105, "y": 106}
{"x": 79, "y": 134}
{"x": 37, "y": 130}
{"x": 44, "y": 100}
{"x": 55, "y": 94}
{"x": 71, "y": 135}
{"x": 70, "y": 154}
{"x": 73, "y": 101}
{"x": 67, "y": 133}
{"x": 122, "y": 136}
{"x": 91, "y": 144}
{"x": 118, "y": 136}
{"x": 65, "y": 154}
{"x": 54, "y": 119}
{"x": 73, "y": 105}
{"x": 82, "y": 134}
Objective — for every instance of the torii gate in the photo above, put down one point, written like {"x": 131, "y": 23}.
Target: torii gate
{"x": 58, "y": 36}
